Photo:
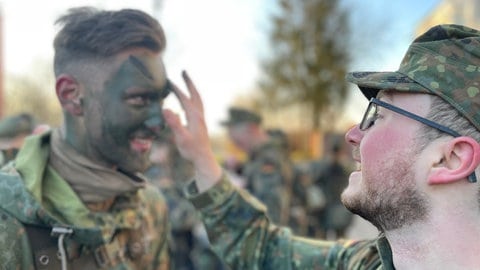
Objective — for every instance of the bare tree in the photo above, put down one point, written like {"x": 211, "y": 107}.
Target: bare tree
{"x": 309, "y": 59}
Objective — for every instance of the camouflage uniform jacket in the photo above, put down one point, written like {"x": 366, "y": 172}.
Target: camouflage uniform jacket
{"x": 245, "y": 238}
{"x": 269, "y": 174}
{"x": 130, "y": 235}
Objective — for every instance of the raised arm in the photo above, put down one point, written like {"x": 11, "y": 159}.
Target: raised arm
{"x": 192, "y": 139}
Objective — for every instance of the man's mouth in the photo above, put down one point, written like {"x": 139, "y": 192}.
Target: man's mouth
{"x": 141, "y": 145}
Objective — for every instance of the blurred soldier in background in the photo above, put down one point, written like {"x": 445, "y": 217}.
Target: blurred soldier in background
{"x": 13, "y": 131}
{"x": 268, "y": 171}
{"x": 182, "y": 215}
{"x": 330, "y": 174}
{"x": 189, "y": 247}
{"x": 299, "y": 188}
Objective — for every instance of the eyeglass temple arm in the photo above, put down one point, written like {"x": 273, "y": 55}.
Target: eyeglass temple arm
{"x": 472, "y": 178}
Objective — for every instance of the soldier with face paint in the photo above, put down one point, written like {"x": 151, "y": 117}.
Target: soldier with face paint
{"x": 75, "y": 196}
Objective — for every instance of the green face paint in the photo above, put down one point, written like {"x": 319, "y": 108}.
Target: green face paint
{"x": 125, "y": 115}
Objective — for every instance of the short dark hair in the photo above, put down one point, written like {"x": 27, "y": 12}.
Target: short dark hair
{"x": 88, "y": 33}
{"x": 445, "y": 114}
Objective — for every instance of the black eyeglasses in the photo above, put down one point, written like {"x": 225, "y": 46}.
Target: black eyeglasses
{"x": 371, "y": 115}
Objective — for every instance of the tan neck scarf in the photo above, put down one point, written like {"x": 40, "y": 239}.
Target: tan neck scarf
{"x": 93, "y": 183}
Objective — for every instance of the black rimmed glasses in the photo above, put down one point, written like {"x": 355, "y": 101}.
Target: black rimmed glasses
{"x": 371, "y": 114}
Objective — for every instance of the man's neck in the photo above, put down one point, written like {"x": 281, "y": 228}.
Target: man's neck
{"x": 448, "y": 242}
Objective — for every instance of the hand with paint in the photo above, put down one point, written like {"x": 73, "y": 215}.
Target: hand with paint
{"x": 192, "y": 139}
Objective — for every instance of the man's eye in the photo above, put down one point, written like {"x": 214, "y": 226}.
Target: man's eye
{"x": 370, "y": 120}
{"x": 374, "y": 118}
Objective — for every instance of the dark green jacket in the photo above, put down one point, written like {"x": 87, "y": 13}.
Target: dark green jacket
{"x": 245, "y": 238}
{"x": 132, "y": 234}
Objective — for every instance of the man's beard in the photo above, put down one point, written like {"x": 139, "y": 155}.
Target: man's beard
{"x": 390, "y": 206}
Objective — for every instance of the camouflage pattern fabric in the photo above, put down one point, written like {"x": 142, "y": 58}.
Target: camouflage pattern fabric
{"x": 7, "y": 155}
{"x": 444, "y": 61}
{"x": 269, "y": 176}
{"x": 188, "y": 250}
{"x": 245, "y": 238}
{"x": 134, "y": 229}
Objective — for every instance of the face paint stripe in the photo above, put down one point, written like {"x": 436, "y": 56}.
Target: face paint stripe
{"x": 138, "y": 64}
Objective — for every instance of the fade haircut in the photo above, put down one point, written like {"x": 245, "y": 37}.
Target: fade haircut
{"x": 92, "y": 36}
{"x": 445, "y": 114}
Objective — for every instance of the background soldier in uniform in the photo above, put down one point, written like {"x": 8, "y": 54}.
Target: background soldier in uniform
{"x": 75, "y": 196}
{"x": 330, "y": 174}
{"x": 13, "y": 131}
{"x": 268, "y": 171}
{"x": 189, "y": 246}
{"x": 301, "y": 185}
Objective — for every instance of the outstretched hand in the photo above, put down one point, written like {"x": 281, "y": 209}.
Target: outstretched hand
{"x": 192, "y": 140}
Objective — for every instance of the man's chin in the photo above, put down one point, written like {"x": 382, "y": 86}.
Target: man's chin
{"x": 134, "y": 167}
{"x": 350, "y": 199}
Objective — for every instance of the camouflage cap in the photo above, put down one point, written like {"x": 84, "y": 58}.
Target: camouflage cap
{"x": 239, "y": 115}
{"x": 15, "y": 125}
{"x": 444, "y": 61}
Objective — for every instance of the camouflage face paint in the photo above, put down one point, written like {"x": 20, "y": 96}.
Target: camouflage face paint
{"x": 126, "y": 114}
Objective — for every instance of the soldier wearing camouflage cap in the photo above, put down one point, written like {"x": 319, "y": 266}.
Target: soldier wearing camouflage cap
{"x": 268, "y": 171}
{"x": 13, "y": 131}
{"x": 417, "y": 149}
{"x": 238, "y": 115}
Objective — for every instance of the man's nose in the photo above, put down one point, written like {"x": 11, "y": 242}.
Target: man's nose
{"x": 155, "y": 121}
{"x": 354, "y": 135}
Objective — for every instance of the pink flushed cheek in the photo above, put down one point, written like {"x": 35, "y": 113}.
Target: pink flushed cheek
{"x": 380, "y": 147}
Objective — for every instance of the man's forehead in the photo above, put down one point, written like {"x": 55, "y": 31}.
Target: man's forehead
{"x": 148, "y": 64}
{"x": 152, "y": 69}
{"x": 151, "y": 65}
{"x": 140, "y": 66}
{"x": 384, "y": 93}
{"x": 391, "y": 94}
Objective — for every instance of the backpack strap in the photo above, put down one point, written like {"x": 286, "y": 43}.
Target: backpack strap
{"x": 44, "y": 247}
{"x": 48, "y": 255}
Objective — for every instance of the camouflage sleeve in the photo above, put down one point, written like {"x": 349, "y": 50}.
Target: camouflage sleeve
{"x": 14, "y": 246}
{"x": 244, "y": 237}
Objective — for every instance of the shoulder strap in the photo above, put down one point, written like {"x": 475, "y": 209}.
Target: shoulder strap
{"x": 46, "y": 254}
{"x": 44, "y": 247}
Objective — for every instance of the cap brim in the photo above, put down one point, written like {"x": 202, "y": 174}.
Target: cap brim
{"x": 372, "y": 82}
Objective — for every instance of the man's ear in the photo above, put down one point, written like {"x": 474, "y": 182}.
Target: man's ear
{"x": 461, "y": 156}
{"x": 69, "y": 94}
